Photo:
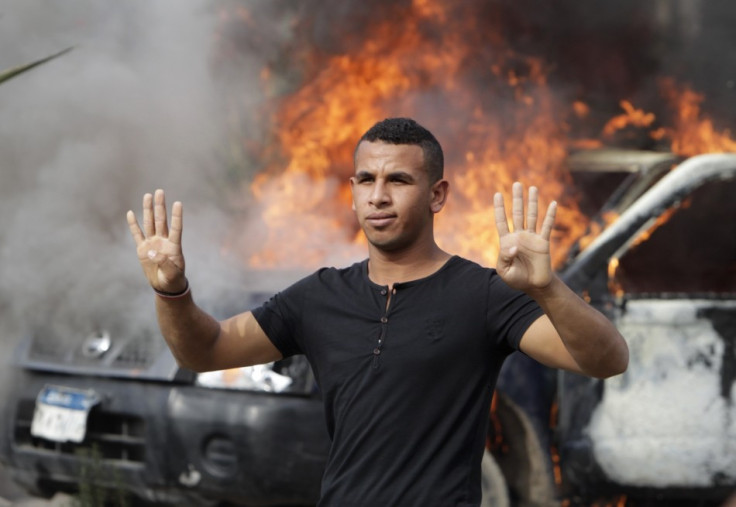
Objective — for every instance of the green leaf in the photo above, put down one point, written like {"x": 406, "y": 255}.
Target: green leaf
{"x": 12, "y": 72}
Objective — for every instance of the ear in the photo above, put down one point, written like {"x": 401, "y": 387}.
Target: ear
{"x": 352, "y": 191}
{"x": 440, "y": 190}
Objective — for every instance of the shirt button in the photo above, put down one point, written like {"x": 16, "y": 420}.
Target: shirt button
{"x": 384, "y": 292}
{"x": 384, "y": 320}
{"x": 377, "y": 351}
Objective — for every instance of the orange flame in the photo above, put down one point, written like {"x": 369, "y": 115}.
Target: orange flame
{"x": 662, "y": 219}
{"x": 595, "y": 227}
{"x": 305, "y": 194}
{"x": 613, "y": 286}
{"x": 497, "y": 120}
{"x": 691, "y": 133}
{"x": 632, "y": 117}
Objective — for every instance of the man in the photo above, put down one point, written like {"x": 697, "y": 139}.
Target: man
{"x": 406, "y": 346}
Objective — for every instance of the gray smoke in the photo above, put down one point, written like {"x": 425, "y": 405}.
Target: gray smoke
{"x": 132, "y": 108}
{"x": 135, "y": 106}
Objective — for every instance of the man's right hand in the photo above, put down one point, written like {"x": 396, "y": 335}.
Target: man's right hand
{"x": 158, "y": 246}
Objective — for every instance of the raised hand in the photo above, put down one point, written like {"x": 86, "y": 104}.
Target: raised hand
{"x": 523, "y": 257}
{"x": 158, "y": 247}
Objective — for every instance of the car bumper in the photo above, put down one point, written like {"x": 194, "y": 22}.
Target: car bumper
{"x": 173, "y": 443}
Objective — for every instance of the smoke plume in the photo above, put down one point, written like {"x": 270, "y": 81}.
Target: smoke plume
{"x": 133, "y": 107}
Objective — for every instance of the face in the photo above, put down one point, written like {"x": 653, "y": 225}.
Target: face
{"x": 392, "y": 196}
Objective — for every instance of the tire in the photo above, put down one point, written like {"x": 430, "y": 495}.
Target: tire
{"x": 493, "y": 483}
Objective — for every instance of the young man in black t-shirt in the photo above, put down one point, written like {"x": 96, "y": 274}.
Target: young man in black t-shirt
{"x": 406, "y": 345}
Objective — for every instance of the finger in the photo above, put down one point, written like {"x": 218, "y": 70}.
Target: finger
{"x": 531, "y": 211}
{"x": 171, "y": 272}
{"x": 177, "y": 220}
{"x": 159, "y": 213}
{"x": 549, "y": 220}
{"x": 148, "y": 229}
{"x": 508, "y": 254}
{"x": 499, "y": 213}
{"x": 135, "y": 229}
{"x": 517, "y": 206}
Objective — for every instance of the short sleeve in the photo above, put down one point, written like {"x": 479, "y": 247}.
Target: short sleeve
{"x": 280, "y": 318}
{"x": 510, "y": 312}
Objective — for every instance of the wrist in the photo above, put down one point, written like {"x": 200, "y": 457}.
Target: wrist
{"x": 173, "y": 295}
{"x": 546, "y": 291}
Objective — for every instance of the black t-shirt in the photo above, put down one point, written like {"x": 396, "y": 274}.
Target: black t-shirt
{"x": 407, "y": 388}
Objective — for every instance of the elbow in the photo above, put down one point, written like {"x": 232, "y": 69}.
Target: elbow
{"x": 191, "y": 366}
{"x": 187, "y": 364}
{"x": 616, "y": 363}
{"x": 199, "y": 363}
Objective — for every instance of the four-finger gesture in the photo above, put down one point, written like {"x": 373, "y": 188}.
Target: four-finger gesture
{"x": 523, "y": 257}
{"x": 158, "y": 247}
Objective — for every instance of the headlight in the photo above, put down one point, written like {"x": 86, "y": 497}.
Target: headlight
{"x": 292, "y": 375}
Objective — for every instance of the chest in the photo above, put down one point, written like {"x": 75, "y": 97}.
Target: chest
{"x": 416, "y": 333}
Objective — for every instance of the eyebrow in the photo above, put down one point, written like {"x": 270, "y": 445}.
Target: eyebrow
{"x": 401, "y": 175}
{"x": 392, "y": 175}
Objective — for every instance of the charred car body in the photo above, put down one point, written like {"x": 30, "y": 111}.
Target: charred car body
{"x": 120, "y": 416}
{"x": 664, "y": 271}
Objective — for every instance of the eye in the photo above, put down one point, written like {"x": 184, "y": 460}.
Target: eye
{"x": 400, "y": 180}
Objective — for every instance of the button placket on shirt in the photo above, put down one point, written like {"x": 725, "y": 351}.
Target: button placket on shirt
{"x": 384, "y": 325}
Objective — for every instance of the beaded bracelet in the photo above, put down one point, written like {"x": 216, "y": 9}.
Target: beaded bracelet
{"x": 173, "y": 295}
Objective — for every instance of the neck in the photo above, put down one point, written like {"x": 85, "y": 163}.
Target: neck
{"x": 420, "y": 261}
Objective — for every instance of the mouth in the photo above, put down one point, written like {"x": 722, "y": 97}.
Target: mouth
{"x": 379, "y": 220}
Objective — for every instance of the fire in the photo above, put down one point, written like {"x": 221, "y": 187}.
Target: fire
{"x": 662, "y": 219}
{"x": 497, "y": 444}
{"x": 632, "y": 117}
{"x": 613, "y": 286}
{"x": 691, "y": 134}
{"x": 491, "y": 108}
{"x": 494, "y": 131}
{"x": 596, "y": 226}
{"x": 553, "y": 451}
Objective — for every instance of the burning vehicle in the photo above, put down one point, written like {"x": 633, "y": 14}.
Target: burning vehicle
{"x": 111, "y": 412}
{"x": 517, "y": 91}
{"x": 665, "y": 272}
{"x": 117, "y": 413}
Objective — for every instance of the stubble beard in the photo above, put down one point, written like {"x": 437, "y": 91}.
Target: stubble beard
{"x": 392, "y": 243}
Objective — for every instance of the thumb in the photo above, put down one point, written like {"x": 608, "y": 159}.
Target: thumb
{"x": 168, "y": 270}
{"x": 507, "y": 254}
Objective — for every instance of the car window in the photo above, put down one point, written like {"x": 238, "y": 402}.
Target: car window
{"x": 593, "y": 189}
{"x": 692, "y": 252}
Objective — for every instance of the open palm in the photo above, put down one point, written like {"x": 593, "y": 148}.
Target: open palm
{"x": 524, "y": 255}
{"x": 158, "y": 247}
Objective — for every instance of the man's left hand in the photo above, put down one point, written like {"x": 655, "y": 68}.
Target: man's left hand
{"x": 523, "y": 258}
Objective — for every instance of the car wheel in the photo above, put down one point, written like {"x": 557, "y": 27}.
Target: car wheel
{"x": 493, "y": 483}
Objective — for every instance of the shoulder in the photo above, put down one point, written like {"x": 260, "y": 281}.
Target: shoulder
{"x": 352, "y": 274}
{"x": 471, "y": 274}
{"x": 330, "y": 277}
{"x": 459, "y": 266}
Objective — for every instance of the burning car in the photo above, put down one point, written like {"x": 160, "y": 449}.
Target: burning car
{"x": 665, "y": 273}
{"x": 111, "y": 412}
{"x": 114, "y": 413}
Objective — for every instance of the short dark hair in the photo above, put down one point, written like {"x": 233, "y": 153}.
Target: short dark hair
{"x": 408, "y": 131}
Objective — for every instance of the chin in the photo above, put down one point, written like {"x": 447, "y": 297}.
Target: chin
{"x": 388, "y": 244}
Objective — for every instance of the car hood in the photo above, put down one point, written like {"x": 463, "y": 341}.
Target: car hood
{"x": 103, "y": 353}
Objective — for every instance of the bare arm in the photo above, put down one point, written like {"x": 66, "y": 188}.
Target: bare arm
{"x": 572, "y": 334}
{"x": 196, "y": 339}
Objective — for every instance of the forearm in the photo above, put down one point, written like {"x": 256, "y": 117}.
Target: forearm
{"x": 591, "y": 339}
{"x": 189, "y": 331}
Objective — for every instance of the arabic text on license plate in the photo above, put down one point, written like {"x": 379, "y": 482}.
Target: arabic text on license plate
{"x": 61, "y": 413}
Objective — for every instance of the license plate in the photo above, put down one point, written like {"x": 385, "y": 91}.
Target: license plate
{"x": 61, "y": 413}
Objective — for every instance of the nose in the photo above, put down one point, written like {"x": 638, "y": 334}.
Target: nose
{"x": 380, "y": 195}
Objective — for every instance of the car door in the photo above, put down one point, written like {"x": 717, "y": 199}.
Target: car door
{"x": 666, "y": 275}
